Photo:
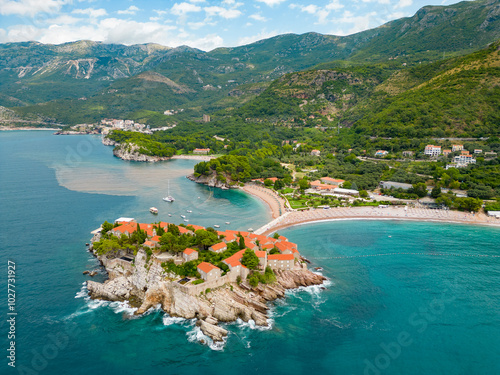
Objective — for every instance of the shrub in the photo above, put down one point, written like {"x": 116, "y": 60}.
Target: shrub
{"x": 199, "y": 281}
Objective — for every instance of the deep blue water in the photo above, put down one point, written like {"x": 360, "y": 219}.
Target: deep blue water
{"x": 426, "y": 302}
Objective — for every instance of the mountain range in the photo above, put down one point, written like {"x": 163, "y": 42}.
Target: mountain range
{"x": 86, "y": 81}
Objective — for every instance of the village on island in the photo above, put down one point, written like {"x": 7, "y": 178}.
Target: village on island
{"x": 197, "y": 272}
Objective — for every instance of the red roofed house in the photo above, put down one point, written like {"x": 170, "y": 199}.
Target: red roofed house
{"x": 281, "y": 261}
{"x": 250, "y": 244}
{"x": 183, "y": 230}
{"x": 208, "y": 271}
{"x": 262, "y": 255}
{"x": 155, "y": 239}
{"x": 189, "y": 255}
{"x": 201, "y": 151}
{"x": 127, "y": 229}
{"x": 284, "y": 247}
{"x": 332, "y": 181}
{"x": 218, "y": 247}
{"x": 229, "y": 237}
{"x": 235, "y": 267}
{"x": 149, "y": 244}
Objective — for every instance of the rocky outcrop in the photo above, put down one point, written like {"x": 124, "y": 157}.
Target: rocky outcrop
{"x": 131, "y": 151}
{"x": 109, "y": 142}
{"x": 148, "y": 284}
{"x": 211, "y": 181}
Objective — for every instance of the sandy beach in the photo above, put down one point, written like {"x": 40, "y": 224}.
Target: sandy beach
{"x": 284, "y": 218}
{"x": 273, "y": 200}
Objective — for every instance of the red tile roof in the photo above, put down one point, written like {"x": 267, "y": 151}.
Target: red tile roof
{"x": 260, "y": 254}
{"x": 155, "y": 239}
{"x": 280, "y": 257}
{"x": 206, "y": 267}
{"x": 235, "y": 259}
{"x": 189, "y": 251}
{"x": 218, "y": 246}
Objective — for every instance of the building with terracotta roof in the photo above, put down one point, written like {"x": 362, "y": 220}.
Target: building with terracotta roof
{"x": 457, "y": 148}
{"x": 315, "y": 153}
{"x": 201, "y": 151}
{"x": 218, "y": 247}
{"x": 432, "y": 150}
{"x": 149, "y": 244}
{"x": 332, "y": 181}
{"x": 235, "y": 267}
{"x": 189, "y": 255}
{"x": 262, "y": 255}
{"x": 127, "y": 229}
{"x": 208, "y": 271}
{"x": 446, "y": 152}
{"x": 281, "y": 261}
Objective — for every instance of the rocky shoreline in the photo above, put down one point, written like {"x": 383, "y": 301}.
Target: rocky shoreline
{"x": 210, "y": 181}
{"x": 145, "y": 282}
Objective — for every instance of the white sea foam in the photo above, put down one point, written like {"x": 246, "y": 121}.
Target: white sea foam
{"x": 169, "y": 320}
{"x": 195, "y": 335}
{"x": 251, "y": 325}
{"x": 83, "y": 293}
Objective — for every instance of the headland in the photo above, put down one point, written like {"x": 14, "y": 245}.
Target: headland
{"x": 197, "y": 273}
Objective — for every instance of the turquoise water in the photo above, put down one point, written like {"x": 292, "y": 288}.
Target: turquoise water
{"x": 427, "y": 302}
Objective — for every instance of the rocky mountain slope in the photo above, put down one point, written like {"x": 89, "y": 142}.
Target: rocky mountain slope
{"x": 86, "y": 81}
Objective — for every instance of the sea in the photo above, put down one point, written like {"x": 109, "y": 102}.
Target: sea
{"x": 401, "y": 297}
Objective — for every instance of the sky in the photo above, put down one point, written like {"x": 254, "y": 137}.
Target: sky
{"x": 203, "y": 24}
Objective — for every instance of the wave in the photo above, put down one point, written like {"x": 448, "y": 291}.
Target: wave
{"x": 169, "y": 320}
{"x": 195, "y": 335}
{"x": 251, "y": 325}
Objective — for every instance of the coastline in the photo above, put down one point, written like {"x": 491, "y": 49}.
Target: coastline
{"x": 275, "y": 203}
{"x": 293, "y": 218}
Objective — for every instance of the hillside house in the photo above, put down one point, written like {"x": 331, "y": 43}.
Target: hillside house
{"x": 281, "y": 261}
{"x": 208, "y": 271}
{"x": 189, "y": 255}
{"x": 218, "y": 247}
{"x": 432, "y": 151}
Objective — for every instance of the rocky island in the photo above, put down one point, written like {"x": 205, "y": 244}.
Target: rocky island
{"x": 197, "y": 273}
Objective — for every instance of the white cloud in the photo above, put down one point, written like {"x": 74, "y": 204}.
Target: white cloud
{"x": 222, "y": 12}
{"x": 271, "y": 3}
{"x": 130, "y": 10}
{"x": 321, "y": 13}
{"x": 258, "y": 17}
{"x": 196, "y": 25}
{"x": 228, "y": 2}
{"x": 336, "y": 5}
{"x": 197, "y": 1}
{"x": 112, "y": 30}
{"x": 30, "y": 7}
{"x": 358, "y": 23}
{"x": 403, "y": 4}
{"x": 91, "y": 12}
{"x": 64, "y": 19}
{"x": 183, "y": 8}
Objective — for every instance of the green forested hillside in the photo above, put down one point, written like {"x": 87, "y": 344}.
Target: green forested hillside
{"x": 84, "y": 81}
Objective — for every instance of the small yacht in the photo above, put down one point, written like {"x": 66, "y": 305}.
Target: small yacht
{"x": 189, "y": 211}
{"x": 228, "y": 222}
{"x": 153, "y": 210}
{"x": 168, "y": 198}
{"x": 216, "y": 226}
{"x": 186, "y": 220}
{"x": 183, "y": 216}
{"x": 169, "y": 214}
{"x": 250, "y": 229}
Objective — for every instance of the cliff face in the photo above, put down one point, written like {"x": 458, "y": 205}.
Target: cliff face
{"x": 130, "y": 151}
{"x": 209, "y": 181}
{"x": 146, "y": 281}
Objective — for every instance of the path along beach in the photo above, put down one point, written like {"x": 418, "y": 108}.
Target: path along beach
{"x": 284, "y": 218}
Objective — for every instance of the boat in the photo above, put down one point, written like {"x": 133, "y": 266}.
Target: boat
{"x": 216, "y": 226}
{"x": 228, "y": 222}
{"x": 186, "y": 220}
{"x": 250, "y": 229}
{"x": 189, "y": 211}
{"x": 169, "y": 214}
{"x": 168, "y": 198}
{"x": 183, "y": 216}
{"x": 153, "y": 210}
